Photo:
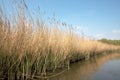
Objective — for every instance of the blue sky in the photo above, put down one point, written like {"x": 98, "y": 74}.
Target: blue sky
{"x": 94, "y": 18}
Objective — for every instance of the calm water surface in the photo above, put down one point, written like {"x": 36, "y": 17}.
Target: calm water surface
{"x": 105, "y": 67}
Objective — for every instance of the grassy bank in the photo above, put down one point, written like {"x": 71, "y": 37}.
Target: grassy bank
{"x": 108, "y": 41}
{"x": 31, "y": 48}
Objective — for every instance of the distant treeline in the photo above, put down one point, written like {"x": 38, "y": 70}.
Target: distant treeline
{"x": 114, "y": 42}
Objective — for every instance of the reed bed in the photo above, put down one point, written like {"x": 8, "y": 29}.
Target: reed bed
{"x": 33, "y": 48}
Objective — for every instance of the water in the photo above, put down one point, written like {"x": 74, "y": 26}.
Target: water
{"x": 105, "y": 67}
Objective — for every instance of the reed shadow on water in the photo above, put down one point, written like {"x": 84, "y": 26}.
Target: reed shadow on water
{"x": 97, "y": 68}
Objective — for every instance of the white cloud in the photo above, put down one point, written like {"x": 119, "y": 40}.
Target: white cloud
{"x": 80, "y": 29}
{"x": 116, "y": 31}
{"x": 99, "y": 36}
{"x": 114, "y": 34}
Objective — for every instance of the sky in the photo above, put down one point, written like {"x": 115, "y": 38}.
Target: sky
{"x": 94, "y": 18}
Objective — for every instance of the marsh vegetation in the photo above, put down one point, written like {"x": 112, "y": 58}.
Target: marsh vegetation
{"x": 29, "y": 48}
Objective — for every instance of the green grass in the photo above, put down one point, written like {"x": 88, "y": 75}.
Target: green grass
{"x": 108, "y": 41}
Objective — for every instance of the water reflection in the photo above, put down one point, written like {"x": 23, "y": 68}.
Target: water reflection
{"x": 93, "y": 69}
